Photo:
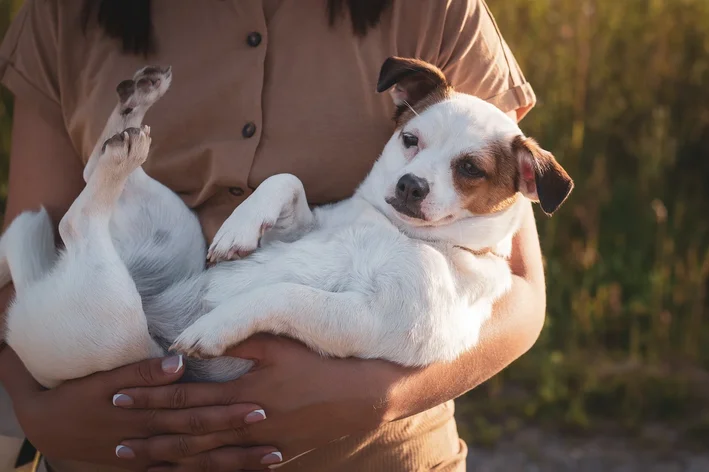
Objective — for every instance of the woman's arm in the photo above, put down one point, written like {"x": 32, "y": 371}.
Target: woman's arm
{"x": 515, "y": 325}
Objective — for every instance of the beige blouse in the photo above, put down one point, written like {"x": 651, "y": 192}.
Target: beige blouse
{"x": 263, "y": 87}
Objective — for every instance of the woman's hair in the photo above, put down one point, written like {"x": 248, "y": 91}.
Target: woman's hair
{"x": 130, "y": 20}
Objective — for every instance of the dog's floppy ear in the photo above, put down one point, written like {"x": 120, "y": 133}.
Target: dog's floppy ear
{"x": 541, "y": 178}
{"x": 411, "y": 79}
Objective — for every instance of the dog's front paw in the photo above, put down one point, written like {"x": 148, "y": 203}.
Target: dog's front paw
{"x": 193, "y": 342}
{"x": 211, "y": 335}
{"x": 148, "y": 85}
{"x": 126, "y": 151}
{"x": 237, "y": 238}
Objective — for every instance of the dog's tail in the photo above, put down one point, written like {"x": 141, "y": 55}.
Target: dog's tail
{"x": 27, "y": 250}
{"x": 171, "y": 311}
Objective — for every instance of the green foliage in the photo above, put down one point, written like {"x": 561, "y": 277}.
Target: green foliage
{"x": 623, "y": 104}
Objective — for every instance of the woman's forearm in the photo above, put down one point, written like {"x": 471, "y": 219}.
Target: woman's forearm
{"x": 513, "y": 329}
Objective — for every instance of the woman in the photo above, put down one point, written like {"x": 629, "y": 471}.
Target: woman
{"x": 260, "y": 87}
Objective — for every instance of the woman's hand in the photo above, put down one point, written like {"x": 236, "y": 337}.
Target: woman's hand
{"x": 309, "y": 400}
{"x": 78, "y": 421}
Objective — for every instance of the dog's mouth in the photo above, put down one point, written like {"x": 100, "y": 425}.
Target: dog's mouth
{"x": 405, "y": 210}
{"x": 414, "y": 216}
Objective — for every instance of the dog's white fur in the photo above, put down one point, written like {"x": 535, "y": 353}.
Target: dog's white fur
{"x": 355, "y": 278}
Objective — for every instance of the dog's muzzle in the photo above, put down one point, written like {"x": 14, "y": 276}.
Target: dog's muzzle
{"x": 409, "y": 195}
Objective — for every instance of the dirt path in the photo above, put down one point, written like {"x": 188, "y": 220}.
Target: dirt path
{"x": 532, "y": 450}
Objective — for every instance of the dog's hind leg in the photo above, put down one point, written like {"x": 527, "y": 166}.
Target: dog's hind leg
{"x": 91, "y": 212}
{"x": 135, "y": 97}
{"x": 85, "y": 230}
{"x": 157, "y": 236}
{"x": 86, "y": 315}
{"x": 277, "y": 211}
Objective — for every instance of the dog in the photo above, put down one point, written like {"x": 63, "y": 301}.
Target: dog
{"x": 406, "y": 270}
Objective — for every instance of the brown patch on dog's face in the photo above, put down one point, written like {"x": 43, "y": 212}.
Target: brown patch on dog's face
{"x": 486, "y": 181}
{"x": 416, "y": 86}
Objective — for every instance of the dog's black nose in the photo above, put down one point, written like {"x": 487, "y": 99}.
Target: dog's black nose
{"x": 411, "y": 189}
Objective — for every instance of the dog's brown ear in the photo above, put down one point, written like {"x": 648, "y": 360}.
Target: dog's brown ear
{"x": 411, "y": 79}
{"x": 541, "y": 178}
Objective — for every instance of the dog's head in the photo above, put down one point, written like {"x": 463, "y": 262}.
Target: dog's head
{"x": 454, "y": 156}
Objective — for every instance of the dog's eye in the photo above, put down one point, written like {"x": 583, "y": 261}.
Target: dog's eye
{"x": 409, "y": 140}
{"x": 469, "y": 169}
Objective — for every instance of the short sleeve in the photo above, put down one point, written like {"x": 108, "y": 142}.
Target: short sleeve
{"x": 476, "y": 59}
{"x": 29, "y": 57}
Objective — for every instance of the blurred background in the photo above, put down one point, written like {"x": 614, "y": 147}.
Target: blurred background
{"x": 620, "y": 377}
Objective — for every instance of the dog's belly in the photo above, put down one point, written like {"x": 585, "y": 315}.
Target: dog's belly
{"x": 331, "y": 259}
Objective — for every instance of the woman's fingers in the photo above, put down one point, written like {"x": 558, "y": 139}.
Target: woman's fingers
{"x": 204, "y": 420}
{"x": 148, "y": 373}
{"x": 227, "y": 459}
{"x": 184, "y": 395}
{"x": 179, "y": 447}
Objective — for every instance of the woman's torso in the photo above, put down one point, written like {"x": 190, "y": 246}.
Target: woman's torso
{"x": 310, "y": 96}
{"x": 297, "y": 97}
{"x": 309, "y": 89}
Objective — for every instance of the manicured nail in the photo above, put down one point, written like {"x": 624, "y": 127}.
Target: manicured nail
{"x": 120, "y": 399}
{"x": 172, "y": 365}
{"x": 255, "y": 416}
{"x": 124, "y": 452}
{"x": 272, "y": 458}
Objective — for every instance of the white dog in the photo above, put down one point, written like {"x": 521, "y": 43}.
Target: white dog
{"x": 406, "y": 270}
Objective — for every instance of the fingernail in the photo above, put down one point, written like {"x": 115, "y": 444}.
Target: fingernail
{"x": 172, "y": 365}
{"x": 272, "y": 458}
{"x": 120, "y": 399}
{"x": 124, "y": 452}
{"x": 255, "y": 416}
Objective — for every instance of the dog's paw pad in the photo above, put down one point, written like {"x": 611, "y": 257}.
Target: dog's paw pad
{"x": 117, "y": 141}
{"x": 217, "y": 253}
{"x": 236, "y": 241}
{"x": 127, "y": 149}
{"x": 125, "y": 90}
{"x": 148, "y": 85}
{"x": 152, "y": 78}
